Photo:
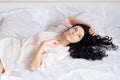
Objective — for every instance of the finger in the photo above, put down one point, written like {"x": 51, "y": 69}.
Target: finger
{"x": 90, "y": 29}
{"x": 92, "y": 33}
{"x": 56, "y": 43}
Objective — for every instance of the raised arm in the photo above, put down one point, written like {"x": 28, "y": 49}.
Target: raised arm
{"x": 74, "y": 21}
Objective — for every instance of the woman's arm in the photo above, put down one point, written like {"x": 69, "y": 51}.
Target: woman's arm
{"x": 37, "y": 58}
{"x": 74, "y": 21}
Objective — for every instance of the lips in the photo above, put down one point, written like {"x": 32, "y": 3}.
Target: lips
{"x": 69, "y": 34}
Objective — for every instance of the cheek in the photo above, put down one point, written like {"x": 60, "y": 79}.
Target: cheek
{"x": 67, "y": 32}
{"x": 72, "y": 40}
{"x": 76, "y": 39}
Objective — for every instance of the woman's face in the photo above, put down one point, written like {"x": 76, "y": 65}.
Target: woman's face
{"x": 74, "y": 34}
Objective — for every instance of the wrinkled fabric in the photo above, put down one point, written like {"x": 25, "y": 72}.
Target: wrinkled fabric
{"x": 16, "y": 54}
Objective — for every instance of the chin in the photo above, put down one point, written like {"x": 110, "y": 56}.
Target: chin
{"x": 69, "y": 39}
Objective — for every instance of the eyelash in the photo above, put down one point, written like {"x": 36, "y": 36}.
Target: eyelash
{"x": 76, "y": 30}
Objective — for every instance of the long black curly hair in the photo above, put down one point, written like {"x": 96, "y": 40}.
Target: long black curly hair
{"x": 91, "y": 47}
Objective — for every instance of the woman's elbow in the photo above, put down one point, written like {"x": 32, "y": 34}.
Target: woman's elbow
{"x": 32, "y": 68}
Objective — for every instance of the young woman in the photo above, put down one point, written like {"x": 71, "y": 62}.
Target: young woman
{"x": 81, "y": 39}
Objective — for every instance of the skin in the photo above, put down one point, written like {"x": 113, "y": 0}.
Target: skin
{"x": 1, "y": 67}
{"x": 72, "y": 35}
{"x": 74, "y": 21}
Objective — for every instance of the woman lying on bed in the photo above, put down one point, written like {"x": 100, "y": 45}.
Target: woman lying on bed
{"x": 83, "y": 42}
{"x": 81, "y": 39}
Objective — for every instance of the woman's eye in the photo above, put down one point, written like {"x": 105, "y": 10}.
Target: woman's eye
{"x": 75, "y": 29}
{"x": 79, "y": 36}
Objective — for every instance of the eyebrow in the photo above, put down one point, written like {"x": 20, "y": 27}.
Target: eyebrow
{"x": 77, "y": 30}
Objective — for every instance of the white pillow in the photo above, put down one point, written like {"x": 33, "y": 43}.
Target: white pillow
{"x": 40, "y": 15}
{"x": 59, "y": 13}
{"x": 94, "y": 20}
{"x": 93, "y": 15}
{"x": 112, "y": 23}
{"x": 19, "y": 23}
{"x": 1, "y": 17}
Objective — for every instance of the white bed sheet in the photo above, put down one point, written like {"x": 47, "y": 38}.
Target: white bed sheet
{"x": 80, "y": 69}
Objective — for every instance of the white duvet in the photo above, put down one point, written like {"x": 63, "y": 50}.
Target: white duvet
{"x": 17, "y": 54}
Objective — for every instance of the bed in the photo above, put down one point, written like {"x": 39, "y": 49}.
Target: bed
{"x": 17, "y": 22}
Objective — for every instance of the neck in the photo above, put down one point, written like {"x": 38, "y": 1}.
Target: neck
{"x": 62, "y": 40}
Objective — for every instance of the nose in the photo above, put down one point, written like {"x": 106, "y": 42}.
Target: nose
{"x": 74, "y": 33}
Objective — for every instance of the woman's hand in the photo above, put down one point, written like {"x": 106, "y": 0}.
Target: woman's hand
{"x": 33, "y": 65}
{"x": 51, "y": 42}
{"x": 92, "y": 31}
{"x": 74, "y": 21}
{"x": 37, "y": 58}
